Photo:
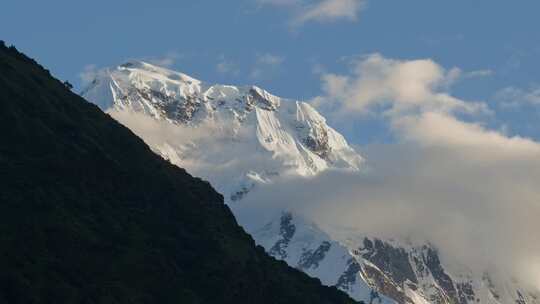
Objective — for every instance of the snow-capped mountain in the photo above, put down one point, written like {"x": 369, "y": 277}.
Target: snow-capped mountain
{"x": 282, "y": 136}
{"x": 240, "y": 138}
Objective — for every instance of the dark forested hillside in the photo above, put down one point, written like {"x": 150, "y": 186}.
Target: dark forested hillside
{"x": 88, "y": 214}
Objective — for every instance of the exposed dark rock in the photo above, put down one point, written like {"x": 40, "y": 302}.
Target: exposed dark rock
{"x": 255, "y": 98}
{"x": 286, "y": 231}
{"x": 431, "y": 259}
{"x": 392, "y": 261}
{"x": 385, "y": 286}
{"x": 491, "y": 286}
{"x": 349, "y": 277}
{"x": 238, "y": 195}
{"x": 317, "y": 142}
{"x": 465, "y": 292}
{"x": 374, "y": 297}
{"x": 520, "y": 299}
{"x": 311, "y": 259}
{"x": 172, "y": 107}
{"x": 127, "y": 65}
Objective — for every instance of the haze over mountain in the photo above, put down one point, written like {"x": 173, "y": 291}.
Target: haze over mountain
{"x": 404, "y": 223}
{"x": 89, "y": 214}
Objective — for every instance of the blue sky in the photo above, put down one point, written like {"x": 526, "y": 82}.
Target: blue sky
{"x": 266, "y": 42}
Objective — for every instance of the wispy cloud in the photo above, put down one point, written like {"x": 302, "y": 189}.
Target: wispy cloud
{"x": 480, "y": 73}
{"x": 281, "y": 2}
{"x": 331, "y": 10}
{"x": 269, "y": 59}
{"x": 265, "y": 65}
{"x": 91, "y": 71}
{"x": 226, "y": 66}
{"x": 167, "y": 60}
{"x": 319, "y": 10}
{"x": 513, "y": 97}
{"x": 88, "y": 74}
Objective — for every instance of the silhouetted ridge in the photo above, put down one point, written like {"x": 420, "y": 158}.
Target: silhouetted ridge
{"x": 88, "y": 214}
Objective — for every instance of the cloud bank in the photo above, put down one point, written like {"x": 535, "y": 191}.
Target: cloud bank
{"x": 470, "y": 190}
{"x": 473, "y": 193}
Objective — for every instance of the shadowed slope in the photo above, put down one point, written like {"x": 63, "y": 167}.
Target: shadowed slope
{"x": 88, "y": 214}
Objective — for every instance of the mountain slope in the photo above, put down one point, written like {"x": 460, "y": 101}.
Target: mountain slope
{"x": 256, "y": 138}
{"x": 89, "y": 214}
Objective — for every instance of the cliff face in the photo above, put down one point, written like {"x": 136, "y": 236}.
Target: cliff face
{"x": 89, "y": 214}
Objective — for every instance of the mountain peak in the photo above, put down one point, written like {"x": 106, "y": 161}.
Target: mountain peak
{"x": 289, "y": 135}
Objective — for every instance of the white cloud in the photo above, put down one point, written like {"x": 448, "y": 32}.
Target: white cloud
{"x": 319, "y": 10}
{"x": 396, "y": 86}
